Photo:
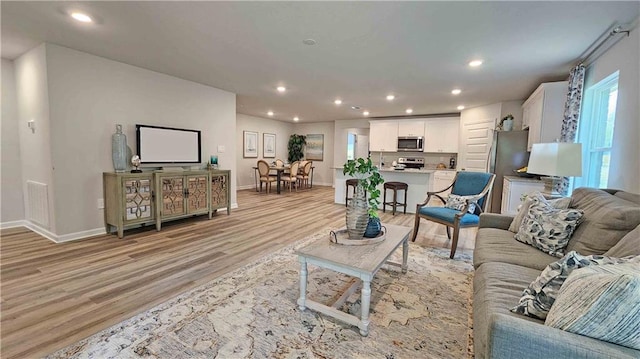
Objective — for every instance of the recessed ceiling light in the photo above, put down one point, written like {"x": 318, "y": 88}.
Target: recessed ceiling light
{"x": 460, "y": 107}
{"x": 338, "y": 102}
{"x": 309, "y": 42}
{"x": 281, "y": 89}
{"x": 409, "y": 110}
{"x": 456, "y": 91}
{"x": 270, "y": 113}
{"x": 365, "y": 113}
{"x": 355, "y": 107}
{"x": 390, "y": 97}
{"x": 475, "y": 63}
{"x": 296, "y": 119}
{"x": 81, "y": 17}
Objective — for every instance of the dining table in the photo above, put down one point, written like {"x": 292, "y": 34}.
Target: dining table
{"x": 279, "y": 171}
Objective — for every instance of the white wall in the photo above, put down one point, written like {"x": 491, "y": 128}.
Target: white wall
{"x": 11, "y": 197}
{"x": 282, "y": 130}
{"x": 341, "y": 132}
{"x": 514, "y": 108}
{"x": 624, "y": 172}
{"x": 322, "y": 173}
{"x": 87, "y": 96}
{"x": 33, "y": 104}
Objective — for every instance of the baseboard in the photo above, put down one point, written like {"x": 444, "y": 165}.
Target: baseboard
{"x": 80, "y": 235}
{"x": 13, "y": 224}
{"x": 253, "y": 186}
{"x": 41, "y": 231}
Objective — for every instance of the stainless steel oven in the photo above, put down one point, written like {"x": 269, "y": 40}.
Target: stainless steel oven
{"x": 413, "y": 144}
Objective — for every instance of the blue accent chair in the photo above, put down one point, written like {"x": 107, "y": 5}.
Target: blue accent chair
{"x": 477, "y": 184}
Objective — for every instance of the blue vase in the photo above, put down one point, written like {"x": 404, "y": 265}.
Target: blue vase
{"x": 373, "y": 227}
{"x": 119, "y": 150}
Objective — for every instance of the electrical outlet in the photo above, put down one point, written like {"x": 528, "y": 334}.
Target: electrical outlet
{"x": 100, "y": 203}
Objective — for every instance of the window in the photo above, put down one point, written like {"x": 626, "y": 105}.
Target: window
{"x": 596, "y": 131}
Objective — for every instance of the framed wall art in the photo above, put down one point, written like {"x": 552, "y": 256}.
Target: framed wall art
{"x": 315, "y": 147}
{"x": 269, "y": 145}
{"x": 250, "y": 144}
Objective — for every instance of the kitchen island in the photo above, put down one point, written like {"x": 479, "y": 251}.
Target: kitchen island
{"x": 419, "y": 181}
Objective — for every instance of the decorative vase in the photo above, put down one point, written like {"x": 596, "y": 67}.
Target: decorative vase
{"x": 119, "y": 150}
{"x": 373, "y": 227}
{"x": 357, "y": 214}
{"x": 507, "y": 125}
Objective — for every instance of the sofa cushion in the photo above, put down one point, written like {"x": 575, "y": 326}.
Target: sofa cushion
{"x": 540, "y": 295}
{"x": 498, "y": 245}
{"x": 496, "y": 287}
{"x": 448, "y": 214}
{"x": 629, "y": 245}
{"x": 631, "y": 197}
{"x": 559, "y": 203}
{"x": 547, "y": 228}
{"x": 607, "y": 218}
{"x": 600, "y": 302}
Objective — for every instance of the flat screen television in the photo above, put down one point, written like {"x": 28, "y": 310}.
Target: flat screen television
{"x": 163, "y": 145}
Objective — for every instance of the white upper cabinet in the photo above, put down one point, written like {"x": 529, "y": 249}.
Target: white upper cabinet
{"x": 383, "y": 136}
{"x": 411, "y": 128}
{"x": 441, "y": 135}
{"x": 543, "y": 112}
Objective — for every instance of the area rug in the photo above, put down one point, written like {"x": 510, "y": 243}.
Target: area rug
{"x": 252, "y": 313}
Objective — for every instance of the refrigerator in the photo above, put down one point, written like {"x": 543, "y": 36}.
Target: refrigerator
{"x": 508, "y": 153}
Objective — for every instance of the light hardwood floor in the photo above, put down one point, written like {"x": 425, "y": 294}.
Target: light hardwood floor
{"x": 53, "y": 295}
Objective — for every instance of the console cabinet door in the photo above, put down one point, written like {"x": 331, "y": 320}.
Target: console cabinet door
{"x": 172, "y": 196}
{"x": 197, "y": 193}
{"x": 138, "y": 199}
{"x": 219, "y": 190}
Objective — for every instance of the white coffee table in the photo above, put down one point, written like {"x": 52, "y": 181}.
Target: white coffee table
{"x": 361, "y": 262}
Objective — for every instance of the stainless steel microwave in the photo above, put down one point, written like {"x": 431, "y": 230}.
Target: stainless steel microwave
{"x": 413, "y": 144}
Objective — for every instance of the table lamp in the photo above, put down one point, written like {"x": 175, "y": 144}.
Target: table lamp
{"x": 555, "y": 160}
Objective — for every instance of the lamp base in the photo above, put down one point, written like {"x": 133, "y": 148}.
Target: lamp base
{"x": 550, "y": 185}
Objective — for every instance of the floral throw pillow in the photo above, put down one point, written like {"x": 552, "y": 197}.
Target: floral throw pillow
{"x": 539, "y": 296}
{"x": 547, "y": 228}
{"x": 458, "y": 202}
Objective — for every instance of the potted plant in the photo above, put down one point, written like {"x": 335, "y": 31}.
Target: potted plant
{"x": 295, "y": 146}
{"x": 506, "y": 124}
{"x": 362, "y": 211}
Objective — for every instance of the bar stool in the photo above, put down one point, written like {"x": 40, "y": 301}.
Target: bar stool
{"x": 350, "y": 182}
{"x": 395, "y": 187}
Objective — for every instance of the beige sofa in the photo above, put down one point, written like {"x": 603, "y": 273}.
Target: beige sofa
{"x": 504, "y": 267}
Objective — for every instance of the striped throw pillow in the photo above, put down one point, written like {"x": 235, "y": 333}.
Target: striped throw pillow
{"x": 601, "y": 302}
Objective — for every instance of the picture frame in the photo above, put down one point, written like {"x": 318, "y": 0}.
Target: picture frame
{"x": 250, "y": 144}
{"x": 315, "y": 147}
{"x": 269, "y": 145}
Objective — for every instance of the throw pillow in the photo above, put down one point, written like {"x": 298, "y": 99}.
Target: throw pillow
{"x": 547, "y": 228}
{"x": 458, "y": 202}
{"x": 538, "y": 297}
{"x": 600, "y": 302}
{"x": 629, "y": 245}
{"x": 560, "y": 203}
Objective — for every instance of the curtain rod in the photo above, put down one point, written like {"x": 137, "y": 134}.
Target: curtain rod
{"x": 603, "y": 39}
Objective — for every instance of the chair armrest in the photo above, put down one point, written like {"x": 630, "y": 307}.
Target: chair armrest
{"x": 494, "y": 220}
{"x": 512, "y": 337}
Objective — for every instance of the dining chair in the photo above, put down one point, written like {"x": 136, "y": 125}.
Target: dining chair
{"x": 279, "y": 163}
{"x": 469, "y": 193}
{"x": 292, "y": 177}
{"x": 263, "y": 171}
{"x": 304, "y": 174}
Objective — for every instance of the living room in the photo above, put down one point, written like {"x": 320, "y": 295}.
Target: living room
{"x": 63, "y": 93}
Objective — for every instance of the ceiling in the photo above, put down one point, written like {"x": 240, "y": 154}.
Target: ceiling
{"x": 364, "y": 50}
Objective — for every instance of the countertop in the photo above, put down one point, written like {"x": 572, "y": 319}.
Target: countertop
{"x": 522, "y": 179}
{"x": 407, "y": 170}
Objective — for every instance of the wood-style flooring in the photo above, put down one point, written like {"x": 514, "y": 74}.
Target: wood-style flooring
{"x": 53, "y": 295}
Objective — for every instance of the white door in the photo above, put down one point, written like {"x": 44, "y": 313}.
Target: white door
{"x": 476, "y": 136}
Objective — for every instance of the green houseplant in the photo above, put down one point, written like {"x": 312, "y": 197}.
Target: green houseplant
{"x": 363, "y": 208}
{"x": 296, "y": 146}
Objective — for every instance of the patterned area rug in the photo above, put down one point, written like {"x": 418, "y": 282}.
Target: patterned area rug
{"x": 252, "y": 313}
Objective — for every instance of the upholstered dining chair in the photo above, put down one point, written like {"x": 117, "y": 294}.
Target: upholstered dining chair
{"x": 279, "y": 163}
{"x": 470, "y": 190}
{"x": 304, "y": 173}
{"x": 292, "y": 177}
{"x": 263, "y": 170}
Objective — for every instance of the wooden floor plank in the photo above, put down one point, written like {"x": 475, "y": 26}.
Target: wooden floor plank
{"x": 52, "y": 295}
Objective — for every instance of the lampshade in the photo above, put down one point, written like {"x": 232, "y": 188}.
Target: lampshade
{"x": 556, "y": 159}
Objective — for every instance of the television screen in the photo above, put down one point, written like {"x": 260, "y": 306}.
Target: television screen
{"x": 167, "y": 145}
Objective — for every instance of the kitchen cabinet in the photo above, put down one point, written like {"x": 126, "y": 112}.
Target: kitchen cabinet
{"x": 513, "y": 188}
{"x": 411, "y": 129}
{"x": 441, "y": 180}
{"x": 543, "y": 112}
{"x": 441, "y": 135}
{"x": 383, "y": 136}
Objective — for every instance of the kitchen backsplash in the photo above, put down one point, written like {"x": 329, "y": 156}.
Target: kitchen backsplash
{"x": 431, "y": 160}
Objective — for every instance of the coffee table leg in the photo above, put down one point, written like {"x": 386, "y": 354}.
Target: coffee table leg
{"x": 365, "y": 303}
{"x": 405, "y": 255}
{"x": 303, "y": 283}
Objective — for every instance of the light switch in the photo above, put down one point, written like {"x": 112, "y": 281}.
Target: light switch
{"x": 220, "y": 148}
